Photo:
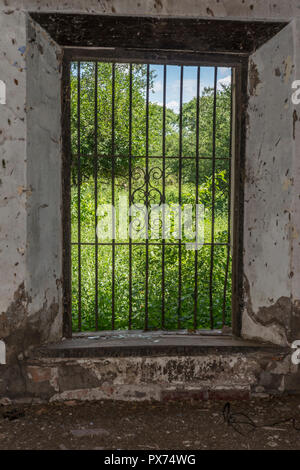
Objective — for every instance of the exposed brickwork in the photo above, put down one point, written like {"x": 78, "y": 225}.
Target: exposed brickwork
{"x": 39, "y": 374}
{"x": 208, "y": 376}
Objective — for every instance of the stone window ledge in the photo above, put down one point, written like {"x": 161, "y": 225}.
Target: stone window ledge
{"x": 158, "y": 343}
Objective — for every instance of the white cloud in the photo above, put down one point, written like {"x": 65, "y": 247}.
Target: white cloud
{"x": 224, "y": 81}
{"x": 174, "y": 105}
{"x": 157, "y": 87}
{"x": 189, "y": 88}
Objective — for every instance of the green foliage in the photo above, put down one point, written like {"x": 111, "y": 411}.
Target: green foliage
{"x": 155, "y": 272}
{"x": 121, "y": 115}
{"x": 121, "y": 171}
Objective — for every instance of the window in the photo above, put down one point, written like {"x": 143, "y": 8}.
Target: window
{"x": 150, "y": 195}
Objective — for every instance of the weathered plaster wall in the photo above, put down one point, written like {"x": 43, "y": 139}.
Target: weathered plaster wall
{"x": 175, "y": 377}
{"x": 30, "y": 139}
{"x": 13, "y": 156}
{"x": 256, "y": 9}
{"x": 44, "y": 170}
{"x": 270, "y": 192}
{"x": 13, "y": 187}
{"x": 30, "y": 232}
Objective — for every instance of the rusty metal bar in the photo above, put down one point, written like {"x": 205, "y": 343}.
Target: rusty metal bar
{"x": 147, "y": 200}
{"x": 96, "y": 195}
{"x": 130, "y": 190}
{"x": 163, "y": 200}
{"x": 197, "y": 197}
{"x": 180, "y": 200}
{"x": 79, "y": 195}
{"x": 113, "y": 193}
{"x": 141, "y": 243}
{"x": 144, "y": 56}
{"x": 184, "y": 157}
{"x": 211, "y": 313}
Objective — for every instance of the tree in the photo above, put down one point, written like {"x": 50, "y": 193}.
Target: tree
{"x": 121, "y": 118}
{"x": 105, "y": 117}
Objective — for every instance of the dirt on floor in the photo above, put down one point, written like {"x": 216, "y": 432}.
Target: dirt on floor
{"x": 257, "y": 424}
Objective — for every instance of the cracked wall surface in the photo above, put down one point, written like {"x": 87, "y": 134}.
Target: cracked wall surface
{"x": 271, "y": 309}
{"x": 44, "y": 174}
{"x": 31, "y": 251}
{"x": 206, "y": 376}
{"x": 30, "y": 162}
{"x": 13, "y": 157}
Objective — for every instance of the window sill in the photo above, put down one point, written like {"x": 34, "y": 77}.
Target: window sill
{"x": 142, "y": 344}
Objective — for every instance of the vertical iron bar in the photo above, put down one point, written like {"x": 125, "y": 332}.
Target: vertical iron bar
{"x": 147, "y": 198}
{"x": 66, "y": 190}
{"x": 229, "y": 209}
{"x": 213, "y": 203}
{"x": 197, "y": 198}
{"x": 129, "y": 187}
{"x": 163, "y": 200}
{"x": 113, "y": 192}
{"x": 179, "y": 201}
{"x": 79, "y": 195}
{"x": 96, "y": 193}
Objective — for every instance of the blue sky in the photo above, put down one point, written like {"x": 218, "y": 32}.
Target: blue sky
{"x": 189, "y": 83}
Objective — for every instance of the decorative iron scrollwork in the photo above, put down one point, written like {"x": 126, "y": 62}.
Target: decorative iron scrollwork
{"x": 147, "y": 192}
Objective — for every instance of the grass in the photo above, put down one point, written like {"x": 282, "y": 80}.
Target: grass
{"x": 121, "y": 294}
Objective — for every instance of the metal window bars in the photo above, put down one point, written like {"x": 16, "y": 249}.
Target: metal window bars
{"x": 152, "y": 282}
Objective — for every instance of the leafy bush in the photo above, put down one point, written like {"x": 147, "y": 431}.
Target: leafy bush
{"x": 87, "y": 150}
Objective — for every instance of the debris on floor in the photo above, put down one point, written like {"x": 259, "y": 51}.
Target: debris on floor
{"x": 265, "y": 423}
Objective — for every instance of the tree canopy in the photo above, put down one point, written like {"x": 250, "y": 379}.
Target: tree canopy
{"x": 138, "y": 131}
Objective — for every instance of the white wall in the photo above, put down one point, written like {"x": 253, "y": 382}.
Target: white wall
{"x": 30, "y": 198}
{"x": 269, "y": 191}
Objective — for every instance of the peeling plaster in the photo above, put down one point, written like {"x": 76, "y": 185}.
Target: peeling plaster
{"x": 23, "y": 331}
{"x": 155, "y": 378}
{"x": 288, "y": 66}
{"x": 254, "y": 80}
{"x": 30, "y": 309}
{"x": 295, "y": 119}
{"x": 270, "y": 226}
{"x": 253, "y": 326}
{"x": 30, "y": 286}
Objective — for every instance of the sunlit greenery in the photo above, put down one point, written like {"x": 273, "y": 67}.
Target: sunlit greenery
{"x": 121, "y": 183}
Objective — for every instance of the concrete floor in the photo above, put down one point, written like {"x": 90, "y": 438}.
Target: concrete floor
{"x": 146, "y": 426}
